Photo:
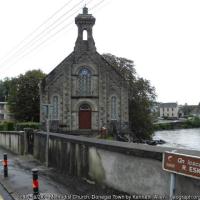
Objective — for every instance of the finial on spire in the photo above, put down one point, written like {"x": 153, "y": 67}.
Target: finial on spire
{"x": 85, "y": 10}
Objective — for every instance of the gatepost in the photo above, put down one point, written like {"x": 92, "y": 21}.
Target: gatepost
{"x": 48, "y": 109}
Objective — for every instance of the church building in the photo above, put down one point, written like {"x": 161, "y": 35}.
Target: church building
{"x": 84, "y": 91}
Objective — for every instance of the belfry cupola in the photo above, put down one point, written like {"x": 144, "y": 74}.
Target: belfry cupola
{"x": 85, "y": 41}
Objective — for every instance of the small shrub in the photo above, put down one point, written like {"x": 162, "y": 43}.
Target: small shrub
{"x": 21, "y": 125}
{"x": 1, "y": 127}
{"x": 10, "y": 126}
{"x": 7, "y": 126}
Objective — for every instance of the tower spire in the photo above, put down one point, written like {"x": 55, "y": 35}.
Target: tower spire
{"x": 85, "y": 22}
{"x": 85, "y": 10}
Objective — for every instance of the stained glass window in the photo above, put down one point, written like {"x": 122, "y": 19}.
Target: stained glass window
{"x": 85, "y": 82}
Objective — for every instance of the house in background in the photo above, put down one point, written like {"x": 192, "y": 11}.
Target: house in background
{"x": 4, "y": 112}
{"x": 169, "y": 110}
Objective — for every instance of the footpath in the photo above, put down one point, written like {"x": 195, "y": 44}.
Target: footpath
{"x": 52, "y": 184}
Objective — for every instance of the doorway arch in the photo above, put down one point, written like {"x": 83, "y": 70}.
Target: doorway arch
{"x": 85, "y": 116}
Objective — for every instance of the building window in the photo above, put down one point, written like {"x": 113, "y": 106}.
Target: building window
{"x": 85, "y": 82}
{"x": 114, "y": 107}
{"x": 55, "y": 108}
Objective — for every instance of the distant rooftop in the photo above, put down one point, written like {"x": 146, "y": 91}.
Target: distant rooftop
{"x": 163, "y": 105}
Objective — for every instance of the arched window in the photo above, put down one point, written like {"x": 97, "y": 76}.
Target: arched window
{"x": 85, "y": 107}
{"x": 85, "y": 35}
{"x": 85, "y": 82}
{"x": 55, "y": 107}
{"x": 114, "y": 107}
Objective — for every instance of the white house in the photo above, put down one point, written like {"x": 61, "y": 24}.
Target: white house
{"x": 169, "y": 110}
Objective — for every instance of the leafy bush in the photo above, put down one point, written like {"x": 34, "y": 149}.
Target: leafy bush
{"x": 1, "y": 127}
{"x": 7, "y": 126}
{"x": 10, "y": 126}
{"x": 163, "y": 126}
{"x": 21, "y": 125}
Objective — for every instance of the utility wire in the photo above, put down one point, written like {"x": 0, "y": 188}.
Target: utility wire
{"x": 35, "y": 30}
{"x": 24, "y": 48}
{"x": 51, "y": 36}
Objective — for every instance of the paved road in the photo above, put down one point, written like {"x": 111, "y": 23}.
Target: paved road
{"x": 4, "y": 194}
{"x": 19, "y": 180}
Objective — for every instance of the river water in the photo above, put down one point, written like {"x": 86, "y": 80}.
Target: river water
{"x": 181, "y": 138}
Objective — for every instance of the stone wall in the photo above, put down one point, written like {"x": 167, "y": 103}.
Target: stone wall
{"x": 12, "y": 140}
{"x": 127, "y": 167}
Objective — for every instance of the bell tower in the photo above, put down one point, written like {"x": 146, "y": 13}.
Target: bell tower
{"x": 85, "y": 41}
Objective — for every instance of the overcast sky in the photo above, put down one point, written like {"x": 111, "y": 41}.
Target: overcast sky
{"x": 161, "y": 36}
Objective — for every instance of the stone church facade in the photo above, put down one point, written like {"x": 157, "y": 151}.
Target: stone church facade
{"x": 84, "y": 91}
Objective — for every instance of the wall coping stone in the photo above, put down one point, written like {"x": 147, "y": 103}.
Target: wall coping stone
{"x": 13, "y": 132}
{"x": 139, "y": 150}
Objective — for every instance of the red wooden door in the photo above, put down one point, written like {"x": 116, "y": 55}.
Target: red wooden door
{"x": 84, "y": 117}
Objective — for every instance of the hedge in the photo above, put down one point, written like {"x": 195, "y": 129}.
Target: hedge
{"x": 21, "y": 125}
{"x": 18, "y": 126}
{"x": 7, "y": 126}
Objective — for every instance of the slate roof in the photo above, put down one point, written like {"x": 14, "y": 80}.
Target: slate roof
{"x": 169, "y": 105}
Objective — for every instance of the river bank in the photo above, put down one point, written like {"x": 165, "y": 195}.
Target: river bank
{"x": 178, "y": 124}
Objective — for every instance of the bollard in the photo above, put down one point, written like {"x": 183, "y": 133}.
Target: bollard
{"x": 35, "y": 184}
{"x": 5, "y": 165}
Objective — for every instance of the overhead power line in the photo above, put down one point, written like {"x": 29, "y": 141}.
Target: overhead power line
{"x": 35, "y": 30}
{"x": 30, "y": 42}
{"x": 34, "y": 47}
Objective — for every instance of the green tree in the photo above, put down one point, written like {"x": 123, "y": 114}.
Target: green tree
{"x": 2, "y": 91}
{"x": 141, "y": 97}
{"x": 187, "y": 109}
{"x": 23, "y": 97}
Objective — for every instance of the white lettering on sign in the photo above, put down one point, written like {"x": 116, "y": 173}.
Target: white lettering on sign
{"x": 193, "y": 163}
{"x": 181, "y": 161}
{"x": 184, "y": 167}
{"x": 194, "y": 170}
{"x": 187, "y": 165}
